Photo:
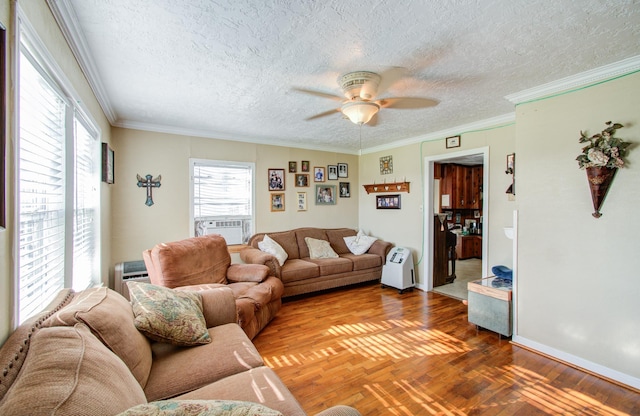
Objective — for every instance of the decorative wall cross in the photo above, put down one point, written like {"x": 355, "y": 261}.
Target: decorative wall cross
{"x": 149, "y": 183}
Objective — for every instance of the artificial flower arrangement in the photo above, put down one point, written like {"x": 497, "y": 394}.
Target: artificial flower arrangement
{"x": 603, "y": 149}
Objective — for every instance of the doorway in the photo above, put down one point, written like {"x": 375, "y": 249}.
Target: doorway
{"x": 467, "y": 269}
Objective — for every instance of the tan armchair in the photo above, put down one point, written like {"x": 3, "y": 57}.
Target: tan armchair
{"x": 200, "y": 263}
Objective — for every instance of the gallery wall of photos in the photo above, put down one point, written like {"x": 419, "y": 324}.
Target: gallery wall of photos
{"x": 326, "y": 184}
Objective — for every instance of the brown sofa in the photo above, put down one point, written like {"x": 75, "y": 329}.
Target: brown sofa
{"x": 204, "y": 262}
{"x": 83, "y": 355}
{"x": 301, "y": 274}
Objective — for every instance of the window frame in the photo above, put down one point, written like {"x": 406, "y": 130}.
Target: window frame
{"x": 210, "y": 162}
{"x": 27, "y": 41}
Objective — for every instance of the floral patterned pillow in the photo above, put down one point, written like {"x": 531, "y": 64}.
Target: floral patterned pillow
{"x": 168, "y": 315}
{"x": 200, "y": 408}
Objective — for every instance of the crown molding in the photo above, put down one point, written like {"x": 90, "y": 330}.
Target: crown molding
{"x": 583, "y": 79}
{"x": 65, "y": 16}
{"x": 219, "y": 135}
{"x": 488, "y": 123}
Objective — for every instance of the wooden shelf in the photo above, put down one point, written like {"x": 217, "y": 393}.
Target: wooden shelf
{"x": 387, "y": 187}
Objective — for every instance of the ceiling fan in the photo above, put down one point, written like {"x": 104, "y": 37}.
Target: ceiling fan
{"x": 361, "y": 89}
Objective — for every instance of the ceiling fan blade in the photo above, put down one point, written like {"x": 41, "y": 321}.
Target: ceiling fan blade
{"x": 319, "y": 94}
{"x": 326, "y": 113}
{"x": 390, "y": 77}
{"x": 406, "y": 102}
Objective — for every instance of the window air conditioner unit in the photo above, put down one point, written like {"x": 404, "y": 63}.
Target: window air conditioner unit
{"x": 129, "y": 271}
{"x": 230, "y": 230}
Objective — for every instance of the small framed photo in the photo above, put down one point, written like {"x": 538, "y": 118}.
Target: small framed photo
{"x": 386, "y": 165}
{"x": 107, "y": 164}
{"x": 318, "y": 174}
{"x": 302, "y": 179}
{"x": 293, "y": 167}
{"x": 304, "y": 166}
{"x": 453, "y": 141}
{"x": 277, "y": 202}
{"x": 301, "y": 197}
{"x": 276, "y": 179}
{"x": 511, "y": 164}
{"x": 332, "y": 172}
{"x": 388, "y": 201}
{"x": 325, "y": 194}
{"x": 343, "y": 170}
{"x": 345, "y": 190}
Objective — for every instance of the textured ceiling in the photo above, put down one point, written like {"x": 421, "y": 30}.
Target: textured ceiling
{"x": 228, "y": 68}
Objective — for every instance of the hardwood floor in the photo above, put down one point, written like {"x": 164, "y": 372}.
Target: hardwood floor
{"x": 415, "y": 354}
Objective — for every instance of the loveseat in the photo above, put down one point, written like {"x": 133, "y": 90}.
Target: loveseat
{"x": 84, "y": 355}
{"x": 302, "y": 273}
{"x": 204, "y": 263}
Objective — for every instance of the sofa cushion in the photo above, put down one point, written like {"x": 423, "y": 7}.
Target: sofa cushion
{"x": 319, "y": 249}
{"x": 110, "y": 317}
{"x": 71, "y": 373}
{"x": 200, "y": 408}
{"x": 247, "y": 273}
{"x": 182, "y": 263}
{"x": 364, "y": 261}
{"x": 168, "y": 315}
{"x": 336, "y": 238}
{"x": 266, "y": 388}
{"x": 294, "y": 270}
{"x": 333, "y": 265}
{"x": 229, "y": 352}
{"x": 287, "y": 240}
{"x": 303, "y": 233}
{"x": 268, "y": 245}
{"x": 360, "y": 243}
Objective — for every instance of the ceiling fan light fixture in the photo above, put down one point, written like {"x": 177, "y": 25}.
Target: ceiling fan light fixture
{"x": 360, "y": 112}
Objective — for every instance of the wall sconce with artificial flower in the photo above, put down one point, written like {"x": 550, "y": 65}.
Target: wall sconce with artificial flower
{"x": 601, "y": 158}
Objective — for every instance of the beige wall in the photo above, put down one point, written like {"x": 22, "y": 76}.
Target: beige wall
{"x": 39, "y": 15}
{"x": 137, "y": 227}
{"x": 578, "y": 279}
{"x": 405, "y": 227}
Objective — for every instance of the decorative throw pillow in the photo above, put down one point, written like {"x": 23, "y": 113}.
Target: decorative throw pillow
{"x": 168, "y": 315}
{"x": 268, "y": 245}
{"x": 200, "y": 408}
{"x": 360, "y": 243}
{"x": 319, "y": 249}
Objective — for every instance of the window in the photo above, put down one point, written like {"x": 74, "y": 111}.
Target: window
{"x": 57, "y": 186}
{"x": 222, "y": 199}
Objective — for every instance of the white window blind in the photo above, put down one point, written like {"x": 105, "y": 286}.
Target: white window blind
{"x": 58, "y": 199}
{"x": 86, "y": 198}
{"x": 41, "y": 186}
{"x": 222, "y": 197}
{"x": 221, "y": 190}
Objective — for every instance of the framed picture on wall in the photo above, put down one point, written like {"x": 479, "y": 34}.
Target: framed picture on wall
{"x": 304, "y": 166}
{"x": 107, "y": 164}
{"x": 345, "y": 190}
{"x": 277, "y": 202}
{"x": 276, "y": 179}
{"x": 318, "y": 174}
{"x": 302, "y": 179}
{"x": 325, "y": 194}
{"x": 343, "y": 170}
{"x": 293, "y": 167}
{"x": 301, "y": 197}
{"x": 388, "y": 201}
{"x": 332, "y": 172}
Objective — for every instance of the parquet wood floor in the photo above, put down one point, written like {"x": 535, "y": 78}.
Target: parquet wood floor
{"x": 416, "y": 354}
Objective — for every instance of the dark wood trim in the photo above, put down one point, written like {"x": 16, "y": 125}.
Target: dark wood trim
{"x": 3, "y": 126}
